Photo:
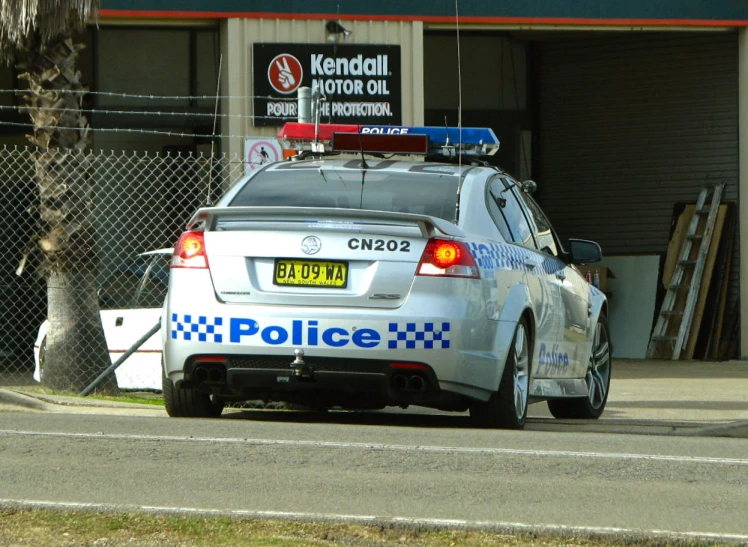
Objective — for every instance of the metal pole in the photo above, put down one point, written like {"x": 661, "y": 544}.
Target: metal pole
{"x": 305, "y": 105}
{"x": 122, "y": 359}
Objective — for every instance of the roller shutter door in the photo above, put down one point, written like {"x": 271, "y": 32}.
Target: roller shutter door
{"x": 630, "y": 124}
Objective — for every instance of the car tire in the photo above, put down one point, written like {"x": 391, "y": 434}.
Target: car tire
{"x": 597, "y": 379}
{"x": 507, "y": 408}
{"x": 190, "y": 403}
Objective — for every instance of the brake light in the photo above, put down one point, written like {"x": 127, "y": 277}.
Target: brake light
{"x": 189, "y": 252}
{"x": 443, "y": 257}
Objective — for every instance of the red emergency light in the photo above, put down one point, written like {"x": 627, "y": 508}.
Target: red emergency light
{"x": 295, "y": 131}
{"x": 382, "y": 144}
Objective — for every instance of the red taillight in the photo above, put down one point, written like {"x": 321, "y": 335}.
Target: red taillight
{"x": 189, "y": 252}
{"x": 447, "y": 258}
{"x": 209, "y": 359}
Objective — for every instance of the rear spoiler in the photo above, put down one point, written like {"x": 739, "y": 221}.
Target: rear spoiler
{"x": 207, "y": 218}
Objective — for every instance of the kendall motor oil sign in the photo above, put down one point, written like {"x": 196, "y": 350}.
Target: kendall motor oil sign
{"x": 360, "y": 83}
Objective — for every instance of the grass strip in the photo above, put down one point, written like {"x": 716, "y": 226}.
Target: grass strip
{"x": 46, "y": 528}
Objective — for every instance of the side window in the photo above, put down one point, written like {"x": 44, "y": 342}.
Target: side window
{"x": 155, "y": 283}
{"x": 507, "y": 213}
{"x": 544, "y": 235}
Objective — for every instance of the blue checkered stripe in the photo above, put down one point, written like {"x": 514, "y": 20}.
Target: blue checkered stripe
{"x": 196, "y": 328}
{"x": 419, "y": 336}
{"x": 550, "y": 265}
{"x": 495, "y": 256}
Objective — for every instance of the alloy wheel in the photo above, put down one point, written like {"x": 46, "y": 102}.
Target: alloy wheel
{"x": 521, "y": 372}
{"x": 598, "y": 373}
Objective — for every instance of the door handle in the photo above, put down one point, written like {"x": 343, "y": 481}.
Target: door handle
{"x": 561, "y": 275}
{"x": 529, "y": 263}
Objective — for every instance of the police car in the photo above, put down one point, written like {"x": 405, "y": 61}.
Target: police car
{"x": 374, "y": 279}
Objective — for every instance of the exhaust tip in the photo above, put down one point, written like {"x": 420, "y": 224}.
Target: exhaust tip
{"x": 399, "y": 382}
{"x": 416, "y": 383}
{"x": 201, "y": 374}
{"x": 215, "y": 375}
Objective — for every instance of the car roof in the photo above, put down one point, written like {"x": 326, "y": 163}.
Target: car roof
{"x": 401, "y": 165}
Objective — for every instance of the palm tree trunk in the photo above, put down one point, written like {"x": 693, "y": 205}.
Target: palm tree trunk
{"x": 76, "y": 350}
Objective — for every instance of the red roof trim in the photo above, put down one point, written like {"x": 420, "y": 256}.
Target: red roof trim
{"x": 147, "y": 14}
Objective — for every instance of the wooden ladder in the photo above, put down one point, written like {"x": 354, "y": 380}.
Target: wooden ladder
{"x": 674, "y": 308}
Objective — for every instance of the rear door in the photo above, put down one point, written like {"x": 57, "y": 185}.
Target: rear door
{"x": 511, "y": 218}
{"x": 574, "y": 306}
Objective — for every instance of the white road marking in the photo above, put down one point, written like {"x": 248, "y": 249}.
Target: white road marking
{"x": 383, "y": 447}
{"x": 492, "y": 526}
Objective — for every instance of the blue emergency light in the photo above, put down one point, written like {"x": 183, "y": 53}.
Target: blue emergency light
{"x": 440, "y": 136}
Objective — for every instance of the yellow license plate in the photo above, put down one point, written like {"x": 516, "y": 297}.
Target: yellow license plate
{"x": 311, "y": 273}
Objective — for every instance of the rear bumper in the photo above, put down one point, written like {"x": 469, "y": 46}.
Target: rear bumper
{"x": 445, "y": 330}
{"x": 328, "y": 381}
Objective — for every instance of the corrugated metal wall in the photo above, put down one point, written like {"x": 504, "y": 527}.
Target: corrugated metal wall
{"x": 629, "y": 125}
{"x": 238, "y": 35}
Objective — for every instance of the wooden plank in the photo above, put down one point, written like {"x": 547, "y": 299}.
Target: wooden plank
{"x": 728, "y": 344}
{"x": 716, "y": 335}
{"x": 706, "y": 279}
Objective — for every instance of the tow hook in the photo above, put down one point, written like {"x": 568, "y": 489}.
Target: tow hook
{"x": 301, "y": 370}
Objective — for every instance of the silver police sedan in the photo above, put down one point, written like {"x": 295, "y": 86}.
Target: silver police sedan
{"x": 369, "y": 282}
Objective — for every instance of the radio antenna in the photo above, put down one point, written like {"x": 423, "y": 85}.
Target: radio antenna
{"x": 459, "y": 114}
{"x": 208, "y": 190}
{"x": 459, "y": 86}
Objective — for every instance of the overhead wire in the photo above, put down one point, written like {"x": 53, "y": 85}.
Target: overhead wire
{"x": 158, "y": 97}
{"x": 98, "y": 111}
{"x": 123, "y": 130}
{"x": 145, "y": 113}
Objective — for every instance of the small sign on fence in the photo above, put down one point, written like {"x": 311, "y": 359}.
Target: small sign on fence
{"x": 258, "y": 152}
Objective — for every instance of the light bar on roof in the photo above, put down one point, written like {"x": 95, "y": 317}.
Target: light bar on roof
{"x": 447, "y": 141}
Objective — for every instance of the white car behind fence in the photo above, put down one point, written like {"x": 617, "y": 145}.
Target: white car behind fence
{"x": 131, "y": 302}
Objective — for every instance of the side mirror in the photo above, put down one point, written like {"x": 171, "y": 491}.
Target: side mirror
{"x": 582, "y": 251}
{"x": 529, "y": 186}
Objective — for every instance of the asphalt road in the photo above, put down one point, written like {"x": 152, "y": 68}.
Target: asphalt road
{"x": 350, "y": 466}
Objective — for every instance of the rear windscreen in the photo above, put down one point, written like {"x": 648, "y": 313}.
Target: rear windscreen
{"x": 424, "y": 193}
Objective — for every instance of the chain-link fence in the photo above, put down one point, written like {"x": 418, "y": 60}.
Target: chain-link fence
{"x": 89, "y": 232}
